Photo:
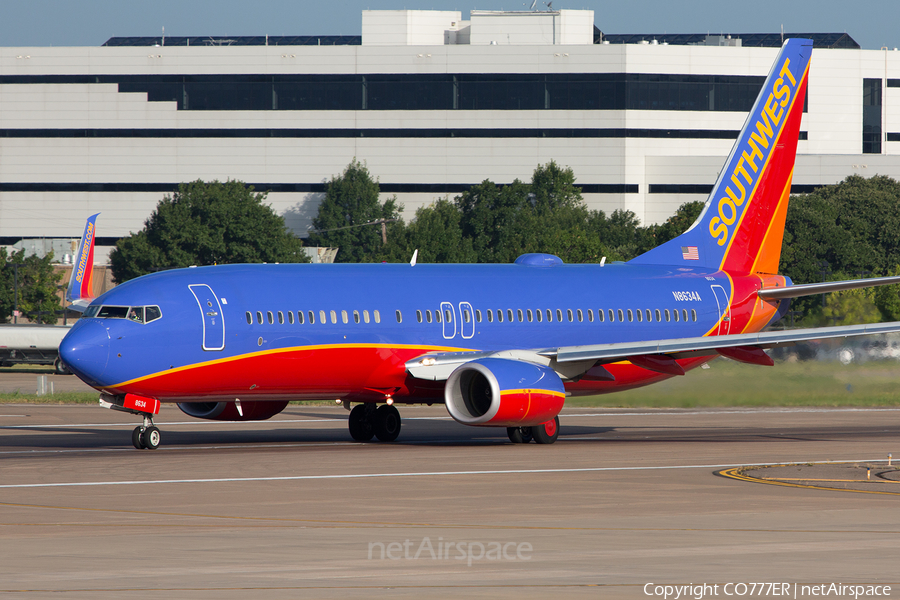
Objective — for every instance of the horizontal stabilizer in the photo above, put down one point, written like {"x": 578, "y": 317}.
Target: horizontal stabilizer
{"x": 811, "y": 289}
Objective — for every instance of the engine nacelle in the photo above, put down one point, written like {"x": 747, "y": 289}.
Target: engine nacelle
{"x": 253, "y": 410}
{"x": 502, "y": 392}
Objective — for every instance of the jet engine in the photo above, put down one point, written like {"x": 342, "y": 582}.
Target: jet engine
{"x": 500, "y": 392}
{"x": 253, "y": 410}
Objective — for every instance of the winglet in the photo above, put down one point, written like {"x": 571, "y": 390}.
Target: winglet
{"x": 80, "y": 291}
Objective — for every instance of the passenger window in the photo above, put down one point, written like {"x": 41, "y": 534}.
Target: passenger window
{"x": 667, "y": 316}
{"x": 478, "y": 315}
{"x": 519, "y": 313}
{"x": 153, "y": 313}
{"x": 658, "y": 319}
{"x": 365, "y": 316}
{"x": 312, "y": 317}
{"x": 300, "y": 317}
{"x": 676, "y": 314}
{"x": 438, "y": 317}
{"x": 356, "y": 316}
{"x": 612, "y": 315}
{"x": 569, "y": 314}
{"x": 684, "y": 314}
{"x": 693, "y": 315}
{"x": 490, "y": 315}
{"x": 467, "y": 318}
{"x": 259, "y": 317}
{"x": 322, "y": 318}
{"x": 418, "y": 315}
{"x": 333, "y": 317}
{"x": 399, "y": 317}
{"x": 499, "y": 315}
{"x": 590, "y": 312}
{"x": 377, "y": 316}
{"x": 530, "y": 315}
{"x": 249, "y": 318}
{"x": 344, "y": 318}
{"x": 580, "y": 315}
{"x": 291, "y": 317}
{"x": 630, "y": 315}
{"x": 559, "y": 315}
{"x": 271, "y": 317}
{"x": 509, "y": 315}
{"x": 540, "y": 315}
{"x": 647, "y": 312}
{"x": 640, "y": 315}
{"x": 601, "y": 315}
{"x": 280, "y": 318}
{"x": 428, "y": 316}
{"x": 448, "y": 316}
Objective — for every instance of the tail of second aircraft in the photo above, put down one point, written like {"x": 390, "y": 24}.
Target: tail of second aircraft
{"x": 742, "y": 225}
{"x": 81, "y": 284}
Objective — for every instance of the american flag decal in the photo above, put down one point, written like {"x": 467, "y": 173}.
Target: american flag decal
{"x": 690, "y": 253}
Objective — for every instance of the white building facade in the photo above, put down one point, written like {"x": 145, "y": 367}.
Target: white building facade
{"x": 431, "y": 103}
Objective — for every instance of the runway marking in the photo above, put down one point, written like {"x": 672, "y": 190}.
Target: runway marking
{"x": 737, "y": 473}
{"x": 406, "y": 474}
{"x": 650, "y": 412}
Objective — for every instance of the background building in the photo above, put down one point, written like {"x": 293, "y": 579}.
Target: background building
{"x": 432, "y": 104}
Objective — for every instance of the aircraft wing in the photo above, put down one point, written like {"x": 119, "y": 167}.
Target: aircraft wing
{"x": 573, "y": 361}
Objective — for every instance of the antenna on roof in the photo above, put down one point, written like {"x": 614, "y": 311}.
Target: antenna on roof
{"x": 164, "y": 36}
{"x": 549, "y": 5}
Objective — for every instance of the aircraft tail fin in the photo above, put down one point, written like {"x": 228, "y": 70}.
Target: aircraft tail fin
{"x": 81, "y": 284}
{"x": 742, "y": 225}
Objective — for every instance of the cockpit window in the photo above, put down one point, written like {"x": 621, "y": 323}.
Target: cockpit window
{"x": 138, "y": 314}
{"x": 113, "y": 312}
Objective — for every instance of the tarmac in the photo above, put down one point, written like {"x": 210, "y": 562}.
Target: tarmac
{"x": 293, "y": 508}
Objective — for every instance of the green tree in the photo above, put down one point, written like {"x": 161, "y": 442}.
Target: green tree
{"x": 37, "y": 286}
{"x": 852, "y": 228}
{"x": 678, "y": 223}
{"x": 204, "y": 224}
{"x": 437, "y": 235}
{"x": 351, "y": 203}
{"x": 887, "y": 298}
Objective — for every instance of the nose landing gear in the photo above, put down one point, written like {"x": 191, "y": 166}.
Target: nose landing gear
{"x": 146, "y": 436}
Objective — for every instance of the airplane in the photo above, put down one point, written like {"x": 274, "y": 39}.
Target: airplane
{"x": 499, "y": 345}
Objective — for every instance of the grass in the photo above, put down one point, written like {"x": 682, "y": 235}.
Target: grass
{"x": 727, "y": 383}
{"x": 724, "y": 384}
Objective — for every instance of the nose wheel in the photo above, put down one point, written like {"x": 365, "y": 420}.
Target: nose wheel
{"x": 146, "y": 438}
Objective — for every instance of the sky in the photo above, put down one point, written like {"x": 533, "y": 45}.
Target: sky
{"x": 872, "y": 23}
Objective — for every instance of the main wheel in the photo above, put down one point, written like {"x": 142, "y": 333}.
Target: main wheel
{"x": 519, "y": 435}
{"x": 546, "y": 433}
{"x": 61, "y": 368}
{"x": 151, "y": 438}
{"x": 136, "y": 438}
{"x": 359, "y": 423}
{"x": 387, "y": 423}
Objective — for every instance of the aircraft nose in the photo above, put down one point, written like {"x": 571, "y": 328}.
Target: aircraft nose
{"x": 85, "y": 351}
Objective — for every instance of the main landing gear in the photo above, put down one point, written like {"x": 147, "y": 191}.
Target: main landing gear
{"x": 366, "y": 421}
{"x": 545, "y": 433}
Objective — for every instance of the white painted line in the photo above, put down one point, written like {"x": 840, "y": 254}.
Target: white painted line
{"x": 413, "y": 474}
{"x": 164, "y": 424}
{"x": 169, "y": 448}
